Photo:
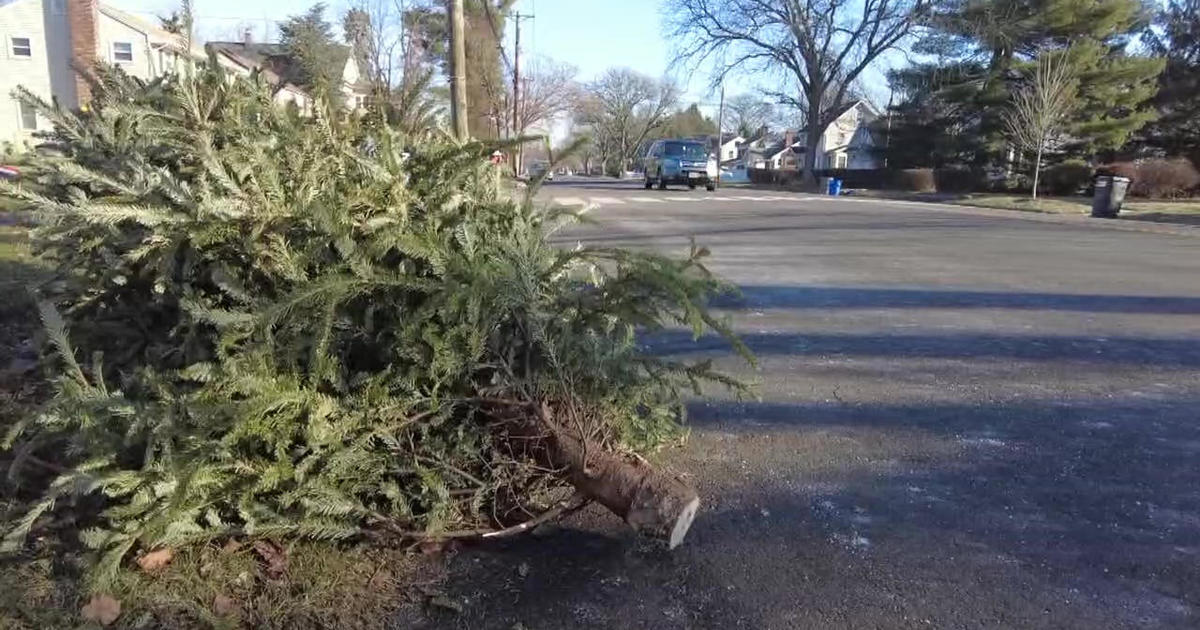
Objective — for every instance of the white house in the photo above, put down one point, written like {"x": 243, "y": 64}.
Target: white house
{"x": 847, "y": 143}
{"x": 730, "y": 147}
{"x": 45, "y": 39}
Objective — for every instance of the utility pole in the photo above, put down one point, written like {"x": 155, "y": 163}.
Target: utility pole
{"x": 516, "y": 113}
{"x": 458, "y": 80}
{"x": 720, "y": 132}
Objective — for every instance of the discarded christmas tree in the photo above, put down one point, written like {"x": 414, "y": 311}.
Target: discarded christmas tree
{"x": 270, "y": 324}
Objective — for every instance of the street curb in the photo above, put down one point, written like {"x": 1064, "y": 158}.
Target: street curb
{"x": 1043, "y": 217}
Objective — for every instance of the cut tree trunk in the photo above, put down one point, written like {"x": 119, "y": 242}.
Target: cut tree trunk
{"x": 652, "y": 502}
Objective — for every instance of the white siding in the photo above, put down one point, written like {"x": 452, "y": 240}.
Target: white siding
{"x": 145, "y": 61}
{"x": 45, "y": 72}
{"x": 851, "y": 128}
{"x": 292, "y": 95}
{"x": 729, "y": 150}
{"x": 350, "y": 78}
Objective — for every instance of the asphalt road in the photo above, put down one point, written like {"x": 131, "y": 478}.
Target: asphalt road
{"x": 969, "y": 419}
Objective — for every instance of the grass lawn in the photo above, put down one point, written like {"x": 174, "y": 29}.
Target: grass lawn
{"x": 218, "y": 586}
{"x": 1186, "y": 211}
{"x": 18, "y": 270}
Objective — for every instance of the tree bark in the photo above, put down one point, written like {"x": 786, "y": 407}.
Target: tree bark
{"x": 458, "y": 63}
{"x": 652, "y": 502}
{"x": 812, "y": 137}
{"x": 1037, "y": 170}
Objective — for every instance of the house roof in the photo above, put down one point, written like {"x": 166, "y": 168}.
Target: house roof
{"x": 274, "y": 59}
{"x": 849, "y": 106}
{"x": 160, "y": 35}
{"x": 780, "y": 147}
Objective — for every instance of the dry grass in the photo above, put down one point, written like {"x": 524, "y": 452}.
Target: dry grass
{"x": 1185, "y": 211}
{"x": 213, "y": 587}
{"x": 1054, "y": 205}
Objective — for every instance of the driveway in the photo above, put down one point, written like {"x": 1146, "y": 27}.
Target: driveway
{"x": 968, "y": 419}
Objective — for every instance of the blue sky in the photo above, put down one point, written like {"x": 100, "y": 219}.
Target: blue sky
{"x": 592, "y": 35}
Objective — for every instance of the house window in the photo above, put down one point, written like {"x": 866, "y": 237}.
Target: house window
{"x": 28, "y": 116}
{"x": 122, "y": 51}
{"x": 21, "y": 47}
{"x": 841, "y": 160}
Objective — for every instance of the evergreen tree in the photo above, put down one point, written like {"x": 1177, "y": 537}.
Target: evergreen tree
{"x": 308, "y": 38}
{"x": 267, "y": 325}
{"x": 689, "y": 123}
{"x": 989, "y": 44}
{"x": 930, "y": 125}
{"x": 1176, "y": 36}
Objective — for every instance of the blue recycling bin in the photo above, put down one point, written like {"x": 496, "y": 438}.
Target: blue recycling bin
{"x": 835, "y": 186}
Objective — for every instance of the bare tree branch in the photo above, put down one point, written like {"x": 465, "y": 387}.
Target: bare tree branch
{"x": 823, "y": 46}
{"x": 621, "y": 109}
{"x": 1039, "y": 112}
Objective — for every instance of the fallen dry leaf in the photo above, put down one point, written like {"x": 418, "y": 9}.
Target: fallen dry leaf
{"x": 156, "y": 560}
{"x": 273, "y": 557}
{"x": 231, "y": 546}
{"x": 380, "y": 581}
{"x": 224, "y": 606}
{"x": 445, "y": 603}
{"x": 102, "y": 609}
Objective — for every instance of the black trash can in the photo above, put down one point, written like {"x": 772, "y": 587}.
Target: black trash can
{"x": 1109, "y": 195}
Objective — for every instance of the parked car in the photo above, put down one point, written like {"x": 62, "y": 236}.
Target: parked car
{"x": 539, "y": 168}
{"x": 684, "y": 162}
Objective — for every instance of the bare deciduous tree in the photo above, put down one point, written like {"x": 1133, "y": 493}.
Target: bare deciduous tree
{"x": 747, "y": 113}
{"x": 1039, "y": 112}
{"x": 821, "y": 45}
{"x": 548, "y": 90}
{"x": 621, "y": 109}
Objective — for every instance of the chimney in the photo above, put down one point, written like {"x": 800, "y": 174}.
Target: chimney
{"x": 247, "y": 38}
{"x": 789, "y": 137}
{"x": 81, "y": 21}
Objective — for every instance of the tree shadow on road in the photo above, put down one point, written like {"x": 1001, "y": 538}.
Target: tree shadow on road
{"x": 1149, "y": 351}
{"x": 820, "y": 297}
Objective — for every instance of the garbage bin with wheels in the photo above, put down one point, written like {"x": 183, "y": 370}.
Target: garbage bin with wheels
{"x": 1108, "y": 196}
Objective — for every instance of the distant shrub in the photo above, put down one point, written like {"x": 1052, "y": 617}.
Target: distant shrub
{"x": 916, "y": 180}
{"x": 772, "y": 176}
{"x": 956, "y": 179}
{"x": 1159, "y": 178}
{"x": 1068, "y": 178}
{"x": 1119, "y": 169}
